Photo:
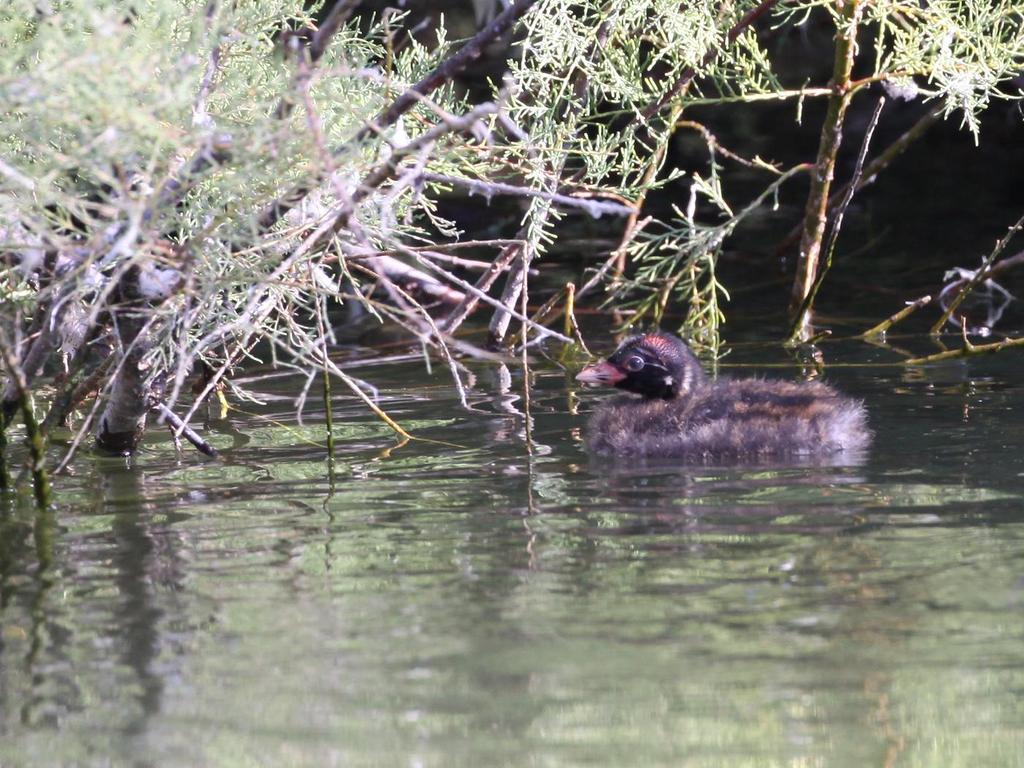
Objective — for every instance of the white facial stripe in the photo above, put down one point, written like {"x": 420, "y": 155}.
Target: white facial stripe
{"x": 684, "y": 385}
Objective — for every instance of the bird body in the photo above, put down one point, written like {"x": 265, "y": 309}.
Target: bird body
{"x": 682, "y": 414}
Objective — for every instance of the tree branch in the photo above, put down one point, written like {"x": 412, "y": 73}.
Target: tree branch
{"x": 444, "y": 72}
{"x": 683, "y": 83}
{"x": 815, "y": 216}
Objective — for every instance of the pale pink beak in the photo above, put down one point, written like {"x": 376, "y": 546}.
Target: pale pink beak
{"x": 601, "y": 373}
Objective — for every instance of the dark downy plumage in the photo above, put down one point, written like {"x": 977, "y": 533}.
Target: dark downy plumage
{"x": 682, "y": 414}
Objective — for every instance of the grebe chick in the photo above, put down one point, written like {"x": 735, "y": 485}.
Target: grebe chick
{"x": 682, "y": 414}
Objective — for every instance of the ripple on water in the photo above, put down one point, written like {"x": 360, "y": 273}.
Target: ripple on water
{"x": 490, "y": 592}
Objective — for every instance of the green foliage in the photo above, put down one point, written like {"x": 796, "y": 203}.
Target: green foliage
{"x": 104, "y": 108}
{"x": 585, "y": 67}
{"x": 153, "y": 137}
{"x": 964, "y": 50}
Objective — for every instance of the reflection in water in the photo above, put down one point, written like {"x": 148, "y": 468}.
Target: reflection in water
{"x": 100, "y": 590}
{"x": 461, "y": 601}
{"x": 144, "y": 562}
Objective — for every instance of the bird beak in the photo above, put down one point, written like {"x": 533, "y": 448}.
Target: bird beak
{"x": 601, "y": 373}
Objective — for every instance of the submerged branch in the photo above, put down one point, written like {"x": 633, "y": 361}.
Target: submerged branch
{"x": 983, "y": 273}
{"x": 968, "y": 350}
{"x": 180, "y": 428}
{"x": 34, "y": 437}
{"x": 907, "y": 311}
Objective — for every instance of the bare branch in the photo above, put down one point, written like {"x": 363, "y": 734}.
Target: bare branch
{"x": 596, "y": 208}
{"x": 983, "y": 273}
{"x": 179, "y": 427}
{"x": 448, "y": 68}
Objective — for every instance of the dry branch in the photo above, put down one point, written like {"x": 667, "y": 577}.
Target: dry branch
{"x": 469, "y": 304}
{"x": 487, "y": 189}
{"x": 444, "y": 72}
{"x": 968, "y": 350}
{"x": 803, "y": 314}
{"x": 885, "y": 325}
{"x": 983, "y": 273}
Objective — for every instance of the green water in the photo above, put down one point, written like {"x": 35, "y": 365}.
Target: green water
{"x": 499, "y": 598}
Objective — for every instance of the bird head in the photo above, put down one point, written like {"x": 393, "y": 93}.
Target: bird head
{"x": 655, "y": 365}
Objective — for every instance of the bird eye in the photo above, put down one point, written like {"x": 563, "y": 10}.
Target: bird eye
{"x": 634, "y": 364}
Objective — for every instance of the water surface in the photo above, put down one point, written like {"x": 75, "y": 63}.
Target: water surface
{"x": 497, "y": 597}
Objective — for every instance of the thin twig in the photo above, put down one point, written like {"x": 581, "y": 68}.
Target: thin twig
{"x": 596, "y": 208}
{"x": 627, "y": 238}
{"x": 1010, "y": 262}
{"x": 351, "y": 383}
{"x": 317, "y": 356}
{"x": 525, "y": 359}
{"x": 979, "y": 276}
{"x": 180, "y": 428}
{"x": 654, "y": 164}
{"x": 968, "y": 350}
{"x": 802, "y": 318}
{"x": 321, "y": 329}
{"x": 885, "y": 325}
{"x": 483, "y": 284}
{"x": 571, "y": 326}
{"x": 455, "y": 261}
{"x": 714, "y": 145}
{"x": 516, "y": 280}
{"x": 432, "y": 332}
{"x": 447, "y": 69}
{"x": 472, "y": 289}
{"x": 871, "y": 171}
